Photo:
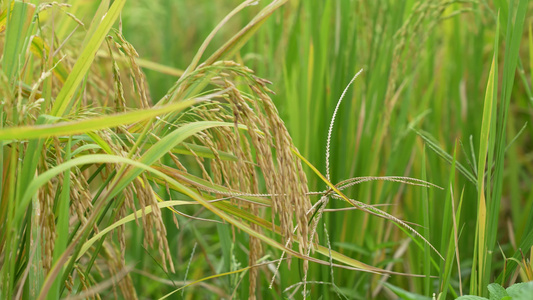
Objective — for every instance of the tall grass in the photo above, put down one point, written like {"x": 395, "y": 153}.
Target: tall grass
{"x": 426, "y": 68}
{"x": 144, "y": 119}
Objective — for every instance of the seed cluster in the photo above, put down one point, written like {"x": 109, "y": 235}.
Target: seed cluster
{"x": 264, "y": 152}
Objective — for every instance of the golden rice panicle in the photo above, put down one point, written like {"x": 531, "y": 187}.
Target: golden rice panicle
{"x": 246, "y": 174}
{"x": 80, "y": 196}
{"x": 121, "y": 232}
{"x": 120, "y": 101}
{"x": 153, "y": 221}
{"x": 284, "y": 178}
{"x": 290, "y": 169}
{"x": 255, "y": 254}
{"x": 217, "y": 168}
{"x": 139, "y": 83}
{"x": 85, "y": 282}
{"x": 116, "y": 266}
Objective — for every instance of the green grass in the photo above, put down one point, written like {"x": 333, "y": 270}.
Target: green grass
{"x": 95, "y": 137}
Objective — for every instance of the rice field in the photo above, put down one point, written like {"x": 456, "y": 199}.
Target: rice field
{"x": 275, "y": 149}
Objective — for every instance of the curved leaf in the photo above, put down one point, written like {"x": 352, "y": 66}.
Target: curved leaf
{"x": 74, "y": 127}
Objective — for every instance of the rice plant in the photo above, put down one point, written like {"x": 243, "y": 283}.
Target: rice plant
{"x": 145, "y": 156}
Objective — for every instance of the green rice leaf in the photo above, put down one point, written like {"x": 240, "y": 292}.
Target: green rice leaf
{"x": 65, "y": 97}
{"x": 92, "y": 124}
